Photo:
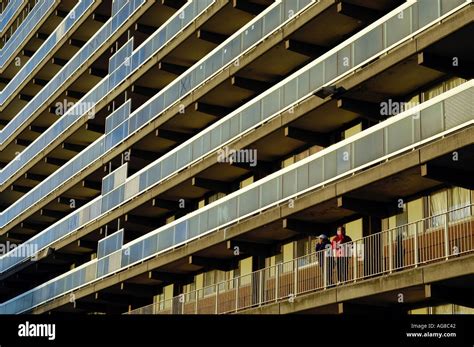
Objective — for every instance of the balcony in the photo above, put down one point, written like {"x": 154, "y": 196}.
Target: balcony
{"x": 405, "y": 247}
{"x": 197, "y": 151}
{"x": 448, "y": 112}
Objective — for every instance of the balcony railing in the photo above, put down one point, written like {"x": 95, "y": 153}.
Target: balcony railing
{"x": 35, "y": 16}
{"x": 444, "y": 114}
{"x": 150, "y": 47}
{"x": 78, "y": 11}
{"x": 323, "y": 71}
{"x": 433, "y": 239}
{"x": 107, "y": 142}
{"x": 9, "y": 12}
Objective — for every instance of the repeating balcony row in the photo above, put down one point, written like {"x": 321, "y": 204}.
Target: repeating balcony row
{"x": 109, "y": 83}
{"x": 74, "y": 16}
{"x": 193, "y": 78}
{"x": 285, "y": 94}
{"x": 323, "y": 70}
{"x": 9, "y": 12}
{"x": 427, "y": 122}
{"x": 432, "y": 239}
{"x": 121, "y": 73}
{"x": 94, "y": 151}
{"x": 26, "y": 27}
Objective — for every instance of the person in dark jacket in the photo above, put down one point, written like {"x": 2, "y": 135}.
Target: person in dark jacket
{"x": 324, "y": 254}
{"x": 341, "y": 248}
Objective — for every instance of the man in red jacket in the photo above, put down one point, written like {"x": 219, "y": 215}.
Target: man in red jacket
{"x": 341, "y": 250}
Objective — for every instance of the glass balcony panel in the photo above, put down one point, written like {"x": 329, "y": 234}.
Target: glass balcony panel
{"x": 270, "y": 192}
{"x": 248, "y": 202}
{"x": 206, "y": 143}
{"x": 227, "y": 211}
{"x": 216, "y": 137}
{"x": 212, "y": 218}
{"x": 302, "y": 178}
{"x": 303, "y": 84}
{"x": 231, "y": 50}
{"x": 181, "y": 232}
{"x": 401, "y": 134}
{"x": 225, "y": 131}
{"x": 368, "y": 45}
{"x": 184, "y": 156}
{"x": 344, "y": 159}
{"x": 197, "y": 148}
{"x": 290, "y": 92}
{"x": 458, "y": 109}
{"x": 272, "y": 19}
{"x": 115, "y": 261}
{"x": 271, "y": 104}
{"x": 428, "y": 10}
{"x": 193, "y": 229}
{"x": 330, "y": 68}
{"x": 154, "y": 174}
{"x": 213, "y": 63}
{"x": 289, "y": 183}
{"x": 203, "y": 222}
{"x": 169, "y": 165}
{"x": 316, "y": 76}
{"x": 432, "y": 120}
{"x": 344, "y": 59}
{"x": 368, "y": 148}
{"x": 150, "y": 245}
{"x": 330, "y": 165}
{"x": 251, "y": 116}
{"x": 290, "y": 8}
{"x": 448, "y": 5}
{"x": 136, "y": 252}
{"x": 398, "y": 27}
{"x": 251, "y": 35}
{"x": 235, "y": 125}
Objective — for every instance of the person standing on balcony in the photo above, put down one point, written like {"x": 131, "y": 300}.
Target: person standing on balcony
{"x": 341, "y": 252}
{"x": 323, "y": 249}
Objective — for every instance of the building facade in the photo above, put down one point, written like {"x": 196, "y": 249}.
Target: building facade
{"x": 173, "y": 156}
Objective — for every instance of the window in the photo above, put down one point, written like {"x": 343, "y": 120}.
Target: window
{"x": 189, "y": 291}
{"x": 160, "y": 303}
{"x": 304, "y": 248}
{"x": 458, "y": 199}
{"x": 437, "y": 206}
{"x": 210, "y": 279}
{"x": 215, "y": 197}
{"x": 453, "y": 200}
{"x": 271, "y": 262}
{"x": 441, "y": 88}
{"x": 208, "y": 282}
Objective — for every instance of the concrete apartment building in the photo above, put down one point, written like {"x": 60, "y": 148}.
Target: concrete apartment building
{"x": 174, "y": 156}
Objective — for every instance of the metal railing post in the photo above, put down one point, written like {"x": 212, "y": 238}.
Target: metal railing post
{"x": 276, "y": 282}
{"x": 295, "y": 267}
{"x": 416, "y": 260}
{"x": 325, "y": 259}
{"x": 390, "y": 251}
{"x": 237, "y": 294}
{"x": 217, "y": 295}
{"x": 446, "y": 236}
{"x": 260, "y": 292}
{"x": 354, "y": 254}
{"x": 196, "y": 303}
